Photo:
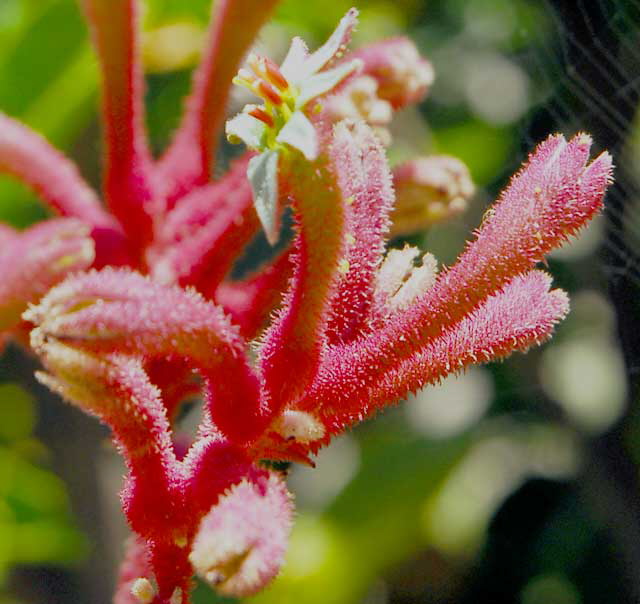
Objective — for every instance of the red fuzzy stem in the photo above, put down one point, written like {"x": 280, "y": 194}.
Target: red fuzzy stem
{"x": 293, "y": 343}
{"x": 127, "y": 180}
{"x": 30, "y": 158}
{"x": 189, "y": 159}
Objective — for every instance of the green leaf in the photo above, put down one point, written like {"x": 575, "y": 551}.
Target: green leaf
{"x": 262, "y": 173}
{"x": 300, "y": 134}
{"x": 40, "y": 53}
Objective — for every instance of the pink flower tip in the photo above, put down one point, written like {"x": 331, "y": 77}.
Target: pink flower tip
{"x": 429, "y": 190}
{"x": 36, "y": 259}
{"x": 241, "y": 542}
{"x": 403, "y": 76}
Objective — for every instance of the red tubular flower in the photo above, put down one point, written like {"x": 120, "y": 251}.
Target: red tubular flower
{"x": 297, "y": 334}
{"x": 128, "y": 187}
{"x": 364, "y": 178}
{"x": 135, "y": 316}
{"x": 26, "y": 156}
{"x": 551, "y": 198}
{"x": 521, "y": 315}
{"x": 334, "y": 328}
{"x": 202, "y": 237}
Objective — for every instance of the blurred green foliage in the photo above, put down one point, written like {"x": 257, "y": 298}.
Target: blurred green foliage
{"x": 35, "y": 519}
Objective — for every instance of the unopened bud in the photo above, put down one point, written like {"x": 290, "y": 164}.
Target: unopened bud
{"x": 359, "y": 100}
{"x": 241, "y": 542}
{"x": 78, "y": 377}
{"x": 122, "y": 311}
{"x": 299, "y": 425}
{"x": 403, "y": 76}
{"x": 143, "y": 591}
{"x": 429, "y": 190}
{"x": 400, "y": 279}
{"x": 38, "y": 258}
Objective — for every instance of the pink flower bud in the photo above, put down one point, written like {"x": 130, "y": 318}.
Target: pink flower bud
{"x": 36, "y": 259}
{"x": 429, "y": 190}
{"x": 241, "y": 542}
{"x": 359, "y": 100}
{"x": 403, "y": 75}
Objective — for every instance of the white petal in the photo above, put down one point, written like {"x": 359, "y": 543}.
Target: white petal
{"x": 299, "y": 133}
{"x": 248, "y": 129}
{"x": 325, "y": 81}
{"x": 333, "y": 46}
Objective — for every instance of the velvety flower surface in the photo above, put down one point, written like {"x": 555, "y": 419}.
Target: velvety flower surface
{"x": 132, "y": 309}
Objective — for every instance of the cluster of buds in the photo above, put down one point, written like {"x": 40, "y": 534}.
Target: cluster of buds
{"x": 393, "y": 76}
{"x": 334, "y": 328}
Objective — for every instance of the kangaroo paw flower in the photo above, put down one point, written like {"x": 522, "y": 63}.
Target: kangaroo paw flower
{"x": 282, "y": 123}
{"x": 133, "y": 310}
{"x": 121, "y": 311}
{"x": 241, "y": 542}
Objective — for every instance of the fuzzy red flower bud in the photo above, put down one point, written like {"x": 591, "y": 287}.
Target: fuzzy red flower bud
{"x": 241, "y": 542}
